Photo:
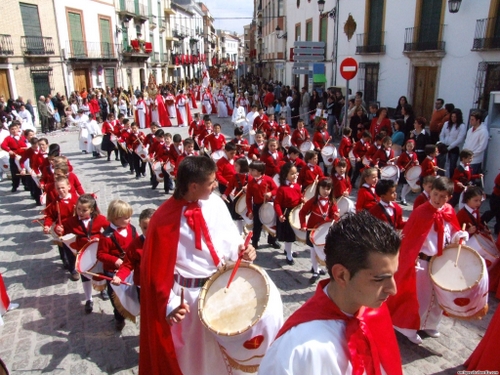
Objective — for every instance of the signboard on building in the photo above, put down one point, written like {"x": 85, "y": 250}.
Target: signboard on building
{"x": 305, "y": 53}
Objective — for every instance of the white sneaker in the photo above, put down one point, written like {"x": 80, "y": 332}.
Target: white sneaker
{"x": 12, "y": 306}
{"x": 432, "y": 333}
{"x": 410, "y": 334}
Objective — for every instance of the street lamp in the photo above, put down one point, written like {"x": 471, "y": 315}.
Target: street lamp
{"x": 321, "y": 6}
{"x": 454, "y": 5}
{"x": 278, "y": 35}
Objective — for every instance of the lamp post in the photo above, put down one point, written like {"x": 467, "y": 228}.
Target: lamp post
{"x": 334, "y": 14}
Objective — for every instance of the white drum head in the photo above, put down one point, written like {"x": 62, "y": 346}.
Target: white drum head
{"x": 216, "y": 155}
{"x": 87, "y": 257}
{"x": 97, "y": 140}
{"x": 329, "y": 153}
{"x": 390, "y": 172}
{"x": 318, "y": 234}
{"x": 267, "y": 214}
{"x": 345, "y": 205}
{"x": 306, "y": 146}
{"x": 294, "y": 220}
{"x": 128, "y": 299}
{"x": 287, "y": 141}
{"x": 352, "y": 158}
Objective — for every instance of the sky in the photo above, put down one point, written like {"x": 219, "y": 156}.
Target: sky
{"x": 223, "y": 10}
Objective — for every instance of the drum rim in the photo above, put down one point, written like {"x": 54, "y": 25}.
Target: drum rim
{"x": 210, "y": 281}
{"x": 260, "y": 216}
{"x": 290, "y": 215}
{"x": 244, "y": 197}
{"x": 269, "y": 230}
{"x": 311, "y": 237}
{"x": 394, "y": 167}
{"x": 84, "y": 247}
{"x": 496, "y": 256}
{"x": 483, "y": 270}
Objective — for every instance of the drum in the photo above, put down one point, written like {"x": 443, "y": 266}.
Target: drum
{"x": 97, "y": 140}
{"x": 461, "y": 290}
{"x": 267, "y": 214}
{"x": 310, "y": 191}
{"x": 486, "y": 247}
{"x": 70, "y": 241}
{"x": 287, "y": 141}
{"x": 142, "y": 152}
{"x": 345, "y": 205}
{"x": 276, "y": 179}
{"x": 98, "y": 283}
{"x": 270, "y": 230}
{"x": 17, "y": 160}
{"x": 412, "y": 176}
{"x": 244, "y": 318}
{"x": 113, "y": 139}
{"x": 366, "y": 162}
{"x": 241, "y": 208}
{"x": 35, "y": 178}
{"x": 318, "y": 239}
{"x": 157, "y": 170}
{"x": 293, "y": 218}
{"x": 390, "y": 172}
{"x": 306, "y": 146}
{"x": 43, "y": 199}
{"x": 123, "y": 145}
{"x": 329, "y": 153}
{"x": 126, "y": 298}
{"x": 352, "y": 158}
{"x": 4, "y": 161}
{"x": 216, "y": 155}
{"x": 168, "y": 167}
{"x": 55, "y": 237}
{"x": 86, "y": 259}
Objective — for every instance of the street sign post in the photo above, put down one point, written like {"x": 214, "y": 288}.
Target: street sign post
{"x": 348, "y": 70}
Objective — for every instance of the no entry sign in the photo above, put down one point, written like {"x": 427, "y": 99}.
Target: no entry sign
{"x": 348, "y": 68}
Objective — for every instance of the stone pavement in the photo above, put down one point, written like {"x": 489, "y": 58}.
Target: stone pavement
{"x": 50, "y": 333}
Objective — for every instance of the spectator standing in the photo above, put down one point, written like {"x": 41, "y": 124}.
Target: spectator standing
{"x": 44, "y": 114}
{"x": 439, "y": 117}
{"x": 452, "y": 135}
{"x": 476, "y": 140}
{"x": 305, "y": 99}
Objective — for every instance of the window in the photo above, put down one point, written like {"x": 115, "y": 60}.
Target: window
{"x": 298, "y": 3}
{"x": 280, "y": 8}
{"x": 430, "y": 23}
{"x": 77, "y": 40}
{"x": 309, "y": 30}
{"x": 323, "y": 29}
{"x": 297, "y": 32}
{"x": 368, "y": 81}
{"x": 375, "y": 24}
{"x": 42, "y": 77}
{"x": 32, "y": 29}
{"x": 487, "y": 80}
{"x": 109, "y": 77}
{"x": 106, "y": 38}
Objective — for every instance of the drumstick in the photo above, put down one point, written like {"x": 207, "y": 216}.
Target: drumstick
{"x": 237, "y": 264}
{"x": 241, "y": 191}
{"x": 105, "y": 277}
{"x": 225, "y": 199}
{"x": 441, "y": 169}
{"x": 482, "y": 182}
{"x": 58, "y": 213}
{"x": 182, "y": 298}
{"x": 460, "y": 245}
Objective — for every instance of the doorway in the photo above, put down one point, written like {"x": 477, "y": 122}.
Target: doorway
{"x": 424, "y": 90}
{"x": 4, "y": 84}
{"x": 80, "y": 79}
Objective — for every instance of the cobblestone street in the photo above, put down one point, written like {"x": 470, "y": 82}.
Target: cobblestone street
{"x": 50, "y": 332}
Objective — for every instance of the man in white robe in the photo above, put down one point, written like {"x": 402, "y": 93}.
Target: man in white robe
{"x": 140, "y": 112}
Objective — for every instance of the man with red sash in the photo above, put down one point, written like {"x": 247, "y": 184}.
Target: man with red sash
{"x": 189, "y": 236}
{"x": 345, "y": 328}
{"x": 429, "y": 229}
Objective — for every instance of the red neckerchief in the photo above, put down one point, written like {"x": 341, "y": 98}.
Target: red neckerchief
{"x": 197, "y": 223}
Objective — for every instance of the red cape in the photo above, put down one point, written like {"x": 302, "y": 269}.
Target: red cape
{"x": 382, "y": 339}
{"x": 193, "y": 99}
{"x": 162, "y": 112}
{"x": 188, "y": 111}
{"x": 157, "y": 353}
{"x": 404, "y": 305}
{"x": 485, "y": 356}
{"x": 4, "y": 297}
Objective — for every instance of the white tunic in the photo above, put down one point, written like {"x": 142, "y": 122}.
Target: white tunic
{"x": 221, "y": 106}
{"x": 141, "y": 113}
{"x": 197, "y": 350}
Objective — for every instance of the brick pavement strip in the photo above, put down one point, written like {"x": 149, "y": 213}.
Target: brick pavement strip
{"x": 50, "y": 333}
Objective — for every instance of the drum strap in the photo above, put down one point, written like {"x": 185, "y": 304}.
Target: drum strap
{"x": 110, "y": 233}
{"x": 87, "y": 231}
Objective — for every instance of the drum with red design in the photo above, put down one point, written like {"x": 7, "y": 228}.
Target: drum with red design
{"x": 462, "y": 288}
{"x": 4, "y": 161}
{"x": 485, "y": 245}
{"x": 329, "y": 154}
{"x": 157, "y": 169}
{"x": 345, "y": 206}
{"x": 244, "y": 318}
{"x": 142, "y": 152}
{"x": 306, "y": 146}
{"x": 241, "y": 209}
{"x": 412, "y": 176}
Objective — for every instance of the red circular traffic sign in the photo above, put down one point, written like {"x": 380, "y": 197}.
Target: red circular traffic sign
{"x": 348, "y": 68}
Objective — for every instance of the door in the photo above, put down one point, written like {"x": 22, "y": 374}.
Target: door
{"x": 424, "y": 90}
{"x": 375, "y": 24}
{"x": 430, "y": 20}
{"x": 106, "y": 45}
{"x": 80, "y": 77}
{"x": 41, "y": 83}
{"x": 4, "y": 83}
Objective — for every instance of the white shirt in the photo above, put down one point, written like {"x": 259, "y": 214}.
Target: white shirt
{"x": 430, "y": 243}
{"x": 452, "y": 137}
{"x": 477, "y": 141}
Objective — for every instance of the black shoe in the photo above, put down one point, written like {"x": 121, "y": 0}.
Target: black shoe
{"x": 294, "y": 254}
{"x": 119, "y": 324}
{"x": 13, "y": 190}
{"x": 131, "y": 172}
{"x": 116, "y": 159}
{"x": 314, "y": 278}
{"x": 104, "y": 295}
{"x": 322, "y": 272}
{"x": 290, "y": 262}
{"x": 275, "y": 245}
{"x": 75, "y": 276}
{"x": 89, "y": 306}
{"x": 137, "y": 177}
{"x": 255, "y": 245}
{"x": 153, "y": 186}
{"x": 108, "y": 159}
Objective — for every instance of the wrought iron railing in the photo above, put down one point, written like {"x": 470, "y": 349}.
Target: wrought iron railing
{"x": 37, "y": 45}
{"x": 364, "y": 45}
{"x": 6, "y": 46}
{"x": 416, "y": 41}
{"x": 487, "y": 34}
{"x": 78, "y": 49}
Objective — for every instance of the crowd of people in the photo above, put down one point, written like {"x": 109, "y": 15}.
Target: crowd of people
{"x": 282, "y": 174}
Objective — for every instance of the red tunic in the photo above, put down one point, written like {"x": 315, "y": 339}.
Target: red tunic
{"x": 237, "y": 182}
{"x": 366, "y": 198}
{"x": 376, "y": 128}
{"x": 132, "y": 260}
{"x": 225, "y": 171}
{"x": 340, "y": 185}
{"x": 406, "y": 161}
{"x": 66, "y": 209}
{"x": 313, "y": 207}
{"x": 420, "y": 200}
{"x": 273, "y": 165}
{"x": 381, "y": 158}
{"x": 84, "y": 234}
{"x": 308, "y": 174}
{"x": 175, "y": 152}
{"x": 485, "y": 357}
{"x": 345, "y": 147}
{"x": 14, "y": 145}
{"x": 299, "y": 137}
{"x": 460, "y": 174}
{"x": 320, "y": 139}
{"x": 360, "y": 149}
{"x": 242, "y": 146}
{"x": 107, "y": 251}
{"x": 288, "y": 196}
{"x": 134, "y": 140}
{"x": 299, "y": 163}
{"x": 428, "y": 167}
{"x": 255, "y": 191}
{"x": 396, "y": 220}
{"x": 215, "y": 142}
{"x": 255, "y": 149}
{"x": 465, "y": 217}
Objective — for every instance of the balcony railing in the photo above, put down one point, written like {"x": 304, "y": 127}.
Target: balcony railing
{"x": 162, "y": 25}
{"x": 134, "y": 9}
{"x": 6, "y": 46}
{"x": 78, "y": 49}
{"x": 487, "y": 36}
{"x": 37, "y": 45}
{"x": 152, "y": 22}
{"x": 416, "y": 42}
{"x": 365, "y": 46}
{"x": 155, "y": 57}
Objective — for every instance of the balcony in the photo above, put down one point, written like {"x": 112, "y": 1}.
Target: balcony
{"x": 37, "y": 46}
{"x": 6, "y": 46}
{"x": 162, "y": 25}
{"x": 369, "y": 46}
{"x": 155, "y": 58}
{"x": 168, "y": 10}
{"x": 137, "y": 51}
{"x": 419, "y": 40}
{"x": 133, "y": 9}
{"x": 179, "y": 34}
{"x": 487, "y": 34}
{"x": 82, "y": 50}
{"x": 152, "y": 22}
